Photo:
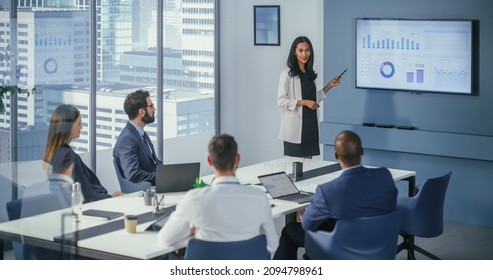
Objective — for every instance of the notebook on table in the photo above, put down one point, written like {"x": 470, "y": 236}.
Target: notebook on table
{"x": 101, "y": 214}
{"x": 176, "y": 177}
{"x": 280, "y": 186}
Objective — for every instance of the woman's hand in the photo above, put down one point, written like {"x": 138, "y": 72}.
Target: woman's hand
{"x": 117, "y": 193}
{"x": 299, "y": 214}
{"x": 335, "y": 82}
{"x": 332, "y": 83}
{"x": 311, "y": 104}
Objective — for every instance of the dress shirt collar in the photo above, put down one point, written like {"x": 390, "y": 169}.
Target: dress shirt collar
{"x": 223, "y": 180}
{"x": 139, "y": 129}
{"x": 60, "y": 177}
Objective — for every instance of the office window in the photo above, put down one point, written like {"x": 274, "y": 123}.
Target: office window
{"x": 44, "y": 63}
{"x": 130, "y": 47}
{"x": 55, "y": 42}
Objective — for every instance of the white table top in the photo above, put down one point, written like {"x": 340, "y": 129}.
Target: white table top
{"x": 310, "y": 185}
{"x": 144, "y": 245}
{"x": 249, "y": 174}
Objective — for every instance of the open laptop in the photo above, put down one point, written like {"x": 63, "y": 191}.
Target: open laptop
{"x": 280, "y": 186}
{"x": 176, "y": 177}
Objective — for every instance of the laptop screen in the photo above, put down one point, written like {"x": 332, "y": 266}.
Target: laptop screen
{"x": 176, "y": 177}
{"x": 278, "y": 184}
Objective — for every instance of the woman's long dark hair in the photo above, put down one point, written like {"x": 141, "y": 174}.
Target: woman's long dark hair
{"x": 293, "y": 61}
{"x": 61, "y": 123}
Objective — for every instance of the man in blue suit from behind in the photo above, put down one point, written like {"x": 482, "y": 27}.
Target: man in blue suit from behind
{"x": 358, "y": 192}
{"x": 133, "y": 150}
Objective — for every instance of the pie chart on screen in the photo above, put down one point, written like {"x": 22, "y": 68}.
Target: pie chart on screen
{"x": 387, "y": 69}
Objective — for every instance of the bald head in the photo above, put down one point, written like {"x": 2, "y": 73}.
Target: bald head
{"x": 348, "y": 149}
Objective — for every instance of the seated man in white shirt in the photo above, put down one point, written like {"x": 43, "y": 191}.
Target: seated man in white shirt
{"x": 225, "y": 211}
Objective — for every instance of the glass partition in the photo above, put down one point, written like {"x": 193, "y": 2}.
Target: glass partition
{"x": 45, "y": 52}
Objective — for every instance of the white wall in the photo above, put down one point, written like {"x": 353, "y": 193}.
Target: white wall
{"x": 249, "y": 74}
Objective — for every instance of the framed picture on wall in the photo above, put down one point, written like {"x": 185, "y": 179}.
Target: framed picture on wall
{"x": 267, "y": 25}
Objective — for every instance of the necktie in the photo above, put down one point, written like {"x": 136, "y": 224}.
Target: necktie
{"x": 147, "y": 141}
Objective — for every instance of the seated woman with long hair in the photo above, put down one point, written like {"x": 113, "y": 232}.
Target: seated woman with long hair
{"x": 65, "y": 125}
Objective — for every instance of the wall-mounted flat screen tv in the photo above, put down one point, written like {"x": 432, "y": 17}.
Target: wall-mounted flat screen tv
{"x": 414, "y": 55}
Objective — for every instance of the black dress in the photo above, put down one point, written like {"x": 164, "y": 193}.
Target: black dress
{"x": 309, "y": 145}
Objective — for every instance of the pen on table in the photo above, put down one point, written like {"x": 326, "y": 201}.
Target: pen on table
{"x": 162, "y": 197}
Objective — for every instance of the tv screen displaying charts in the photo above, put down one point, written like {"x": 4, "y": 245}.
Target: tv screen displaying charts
{"x": 414, "y": 55}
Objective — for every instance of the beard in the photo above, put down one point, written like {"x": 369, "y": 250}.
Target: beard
{"x": 147, "y": 119}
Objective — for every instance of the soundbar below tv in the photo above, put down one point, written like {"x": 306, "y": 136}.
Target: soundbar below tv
{"x": 414, "y": 55}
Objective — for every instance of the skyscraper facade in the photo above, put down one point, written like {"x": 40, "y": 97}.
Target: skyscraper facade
{"x": 53, "y": 55}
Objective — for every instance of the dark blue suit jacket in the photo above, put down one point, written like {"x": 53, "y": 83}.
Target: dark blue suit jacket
{"x": 358, "y": 192}
{"x": 134, "y": 156}
{"x": 90, "y": 184}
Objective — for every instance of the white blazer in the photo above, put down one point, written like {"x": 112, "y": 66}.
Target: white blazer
{"x": 288, "y": 93}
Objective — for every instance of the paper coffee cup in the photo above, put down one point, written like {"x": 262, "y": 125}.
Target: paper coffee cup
{"x": 131, "y": 223}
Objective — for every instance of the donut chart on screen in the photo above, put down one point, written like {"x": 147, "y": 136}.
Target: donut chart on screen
{"x": 387, "y": 69}
{"x": 416, "y": 55}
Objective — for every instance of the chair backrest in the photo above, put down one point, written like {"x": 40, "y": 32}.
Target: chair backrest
{"x": 27, "y": 207}
{"x": 251, "y": 249}
{"x": 126, "y": 185}
{"x": 366, "y": 238}
{"x": 422, "y": 215}
{"x": 33, "y": 205}
{"x": 63, "y": 191}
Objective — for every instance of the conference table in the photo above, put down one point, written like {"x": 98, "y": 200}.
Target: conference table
{"x": 108, "y": 240}
{"x": 315, "y": 172}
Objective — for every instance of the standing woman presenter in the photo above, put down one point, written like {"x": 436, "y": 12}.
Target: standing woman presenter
{"x": 299, "y": 101}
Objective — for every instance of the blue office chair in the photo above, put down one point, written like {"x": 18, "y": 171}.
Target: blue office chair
{"x": 126, "y": 185}
{"x": 30, "y": 206}
{"x": 251, "y": 249}
{"x": 367, "y": 238}
{"x": 7, "y": 188}
{"x": 422, "y": 215}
